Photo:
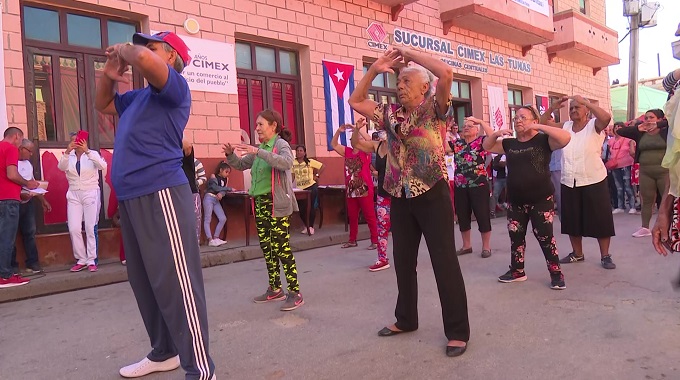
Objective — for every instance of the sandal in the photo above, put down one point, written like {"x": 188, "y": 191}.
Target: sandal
{"x": 372, "y": 246}
{"x": 349, "y": 244}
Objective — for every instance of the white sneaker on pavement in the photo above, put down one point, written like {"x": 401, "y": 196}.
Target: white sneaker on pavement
{"x": 146, "y": 366}
{"x": 213, "y": 243}
{"x": 642, "y": 232}
{"x": 220, "y": 242}
{"x": 632, "y": 211}
{"x": 618, "y": 211}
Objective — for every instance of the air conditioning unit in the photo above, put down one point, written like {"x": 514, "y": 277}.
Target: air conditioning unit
{"x": 676, "y": 49}
{"x": 648, "y": 14}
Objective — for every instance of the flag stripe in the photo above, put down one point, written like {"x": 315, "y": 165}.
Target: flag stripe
{"x": 338, "y": 110}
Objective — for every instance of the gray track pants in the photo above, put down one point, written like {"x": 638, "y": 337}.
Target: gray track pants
{"x": 164, "y": 270}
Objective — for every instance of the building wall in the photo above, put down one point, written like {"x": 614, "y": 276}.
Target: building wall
{"x": 318, "y": 29}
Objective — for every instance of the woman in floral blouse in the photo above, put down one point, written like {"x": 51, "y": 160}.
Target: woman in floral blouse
{"x": 415, "y": 178}
{"x": 471, "y": 192}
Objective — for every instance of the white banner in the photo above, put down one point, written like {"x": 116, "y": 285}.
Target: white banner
{"x": 496, "y": 107}
{"x": 3, "y": 99}
{"x": 540, "y": 6}
{"x": 212, "y": 67}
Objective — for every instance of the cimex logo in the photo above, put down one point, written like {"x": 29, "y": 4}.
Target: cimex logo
{"x": 377, "y": 34}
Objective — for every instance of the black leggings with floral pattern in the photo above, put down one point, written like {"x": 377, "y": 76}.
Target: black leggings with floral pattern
{"x": 541, "y": 215}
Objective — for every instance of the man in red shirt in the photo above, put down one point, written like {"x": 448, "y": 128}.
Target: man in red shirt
{"x": 10, "y": 195}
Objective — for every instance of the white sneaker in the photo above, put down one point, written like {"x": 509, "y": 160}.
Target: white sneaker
{"x": 219, "y": 242}
{"x": 632, "y": 211}
{"x": 642, "y": 232}
{"x": 214, "y": 243}
{"x": 303, "y": 231}
{"x": 618, "y": 211}
{"x": 146, "y": 366}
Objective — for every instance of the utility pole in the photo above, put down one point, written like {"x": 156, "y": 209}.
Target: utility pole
{"x": 633, "y": 11}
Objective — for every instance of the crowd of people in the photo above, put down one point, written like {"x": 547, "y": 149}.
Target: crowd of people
{"x": 429, "y": 177}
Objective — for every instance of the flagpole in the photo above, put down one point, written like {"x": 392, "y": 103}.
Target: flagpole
{"x": 3, "y": 99}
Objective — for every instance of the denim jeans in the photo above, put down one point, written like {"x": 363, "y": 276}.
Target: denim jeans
{"x": 27, "y": 228}
{"x": 9, "y": 224}
{"x": 498, "y": 186}
{"x": 624, "y": 188}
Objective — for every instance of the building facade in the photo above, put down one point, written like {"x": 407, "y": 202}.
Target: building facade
{"x": 254, "y": 54}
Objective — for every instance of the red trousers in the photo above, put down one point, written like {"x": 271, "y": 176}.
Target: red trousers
{"x": 365, "y": 204}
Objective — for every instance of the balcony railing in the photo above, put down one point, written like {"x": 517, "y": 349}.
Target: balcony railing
{"x": 506, "y": 20}
{"x": 580, "y": 39}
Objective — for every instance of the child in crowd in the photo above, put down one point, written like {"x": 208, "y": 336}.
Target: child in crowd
{"x": 216, "y": 190}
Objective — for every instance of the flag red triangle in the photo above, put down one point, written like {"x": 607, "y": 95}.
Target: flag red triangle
{"x": 339, "y": 73}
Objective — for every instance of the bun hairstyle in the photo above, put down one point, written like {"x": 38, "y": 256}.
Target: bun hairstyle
{"x": 286, "y": 134}
{"x": 222, "y": 165}
{"x": 272, "y": 116}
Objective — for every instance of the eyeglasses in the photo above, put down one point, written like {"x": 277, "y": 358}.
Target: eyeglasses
{"x": 28, "y": 150}
{"x": 521, "y": 118}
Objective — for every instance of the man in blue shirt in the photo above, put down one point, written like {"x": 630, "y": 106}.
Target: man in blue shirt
{"x": 156, "y": 207}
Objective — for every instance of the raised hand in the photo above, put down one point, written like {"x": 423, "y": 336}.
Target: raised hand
{"x": 557, "y": 104}
{"x": 579, "y": 99}
{"x": 503, "y": 132}
{"x": 474, "y": 120}
{"x": 227, "y": 149}
{"x": 246, "y": 148}
{"x": 361, "y": 123}
{"x": 388, "y": 61}
{"x": 345, "y": 127}
{"x": 82, "y": 144}
{"x": 115, "y": 65}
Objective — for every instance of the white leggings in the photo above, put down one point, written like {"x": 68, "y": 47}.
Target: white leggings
{"x": 83, "y": 205}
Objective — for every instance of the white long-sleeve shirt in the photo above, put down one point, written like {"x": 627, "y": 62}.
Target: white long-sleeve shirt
{"x": 90, "y": 165}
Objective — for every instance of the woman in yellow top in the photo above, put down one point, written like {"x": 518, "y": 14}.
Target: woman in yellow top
{"x": 306, "y": 174}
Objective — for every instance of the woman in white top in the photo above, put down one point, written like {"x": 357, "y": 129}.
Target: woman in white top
{"x": 82, "y": 167}
{"x": 585, "y": 200}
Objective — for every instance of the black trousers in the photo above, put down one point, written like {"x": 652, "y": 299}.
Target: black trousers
{"x": 164, "y": 270}
{"x": 429, "y": 215}
{"x": 302, "y": 205}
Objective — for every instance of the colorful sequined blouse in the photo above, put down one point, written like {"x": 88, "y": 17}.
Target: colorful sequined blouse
{"x": 415, "y": 158}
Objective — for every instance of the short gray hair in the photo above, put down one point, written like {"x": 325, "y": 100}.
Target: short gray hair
{"x": 26, "y": 143}
{"x": 425, "y": 75}
{"x": 178, "y": 65}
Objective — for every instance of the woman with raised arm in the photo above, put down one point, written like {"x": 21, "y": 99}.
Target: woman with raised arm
{"x": 383, "y": 201}
{"x": 272, "y": 188}
{"x": 415, "y": 178}
{"x": 586, "y": 207}
{"x": 471, "y": 184}
{"x": 530, "y": 190}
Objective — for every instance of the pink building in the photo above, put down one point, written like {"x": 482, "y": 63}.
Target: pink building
{"x": 254, "y": 54}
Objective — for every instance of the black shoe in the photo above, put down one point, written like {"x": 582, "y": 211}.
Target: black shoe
{"x": 572, "y": 258}
{"x": 557, "y": 281}
{"x": 386, "y": 331}
{"x": 607, "y": 263}
{"x": 34, "y": 269}
{"x": 452, "y": 352}
{"x": 486, "y": 253}
{"x": 513, "y": 276}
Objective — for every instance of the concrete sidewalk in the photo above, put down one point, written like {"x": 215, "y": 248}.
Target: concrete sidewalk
{"x": 59, "y": 279}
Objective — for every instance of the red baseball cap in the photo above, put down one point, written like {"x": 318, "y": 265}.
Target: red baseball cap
{"x": 168, "y": 37}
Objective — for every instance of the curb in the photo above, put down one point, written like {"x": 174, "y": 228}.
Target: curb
{"x": 111, "y": 272}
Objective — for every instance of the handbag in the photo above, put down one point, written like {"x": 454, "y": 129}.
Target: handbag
{"x": 674, "y": 232}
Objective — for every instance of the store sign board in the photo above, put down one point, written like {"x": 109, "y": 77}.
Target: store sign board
{"x": 540, "y": 6}
{"x": 460, "y": 56}
{"x": 212, "y": 67}
{"x": 376, "y": 33}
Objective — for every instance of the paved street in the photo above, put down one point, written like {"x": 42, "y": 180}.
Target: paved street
{"x": 620, "y": 324}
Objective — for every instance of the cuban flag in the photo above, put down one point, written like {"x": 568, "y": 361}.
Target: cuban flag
{"x": 338, "y": 84}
